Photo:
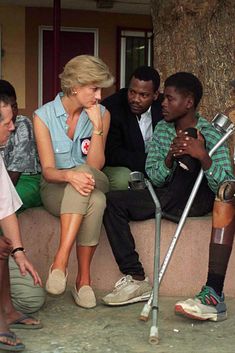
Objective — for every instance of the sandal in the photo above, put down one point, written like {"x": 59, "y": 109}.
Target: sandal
{"x": 11, "y": 336}
{"x": 21, "y": 324}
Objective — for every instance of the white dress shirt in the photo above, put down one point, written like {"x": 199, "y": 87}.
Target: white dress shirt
{"x": 146, "y": 127}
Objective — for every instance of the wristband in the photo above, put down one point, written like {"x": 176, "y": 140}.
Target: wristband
{"x": 98, "y": 132}
{"x": 16, "y": 250}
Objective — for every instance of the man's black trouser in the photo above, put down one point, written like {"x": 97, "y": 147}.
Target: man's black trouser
{"x": 137, "y": 205}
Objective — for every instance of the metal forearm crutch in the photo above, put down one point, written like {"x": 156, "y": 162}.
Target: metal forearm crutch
{"x": 154, "y": 338}
{"x": 225, "y": 126}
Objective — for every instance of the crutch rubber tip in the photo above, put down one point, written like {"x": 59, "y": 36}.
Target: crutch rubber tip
{"x": 153, "y": 340}
{"x": 153, "y": 337}
{"x": 143, "y": 318}
{"x": 144, "y": 315}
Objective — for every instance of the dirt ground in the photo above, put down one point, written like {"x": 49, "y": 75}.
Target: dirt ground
{"x": 70, "y": 329}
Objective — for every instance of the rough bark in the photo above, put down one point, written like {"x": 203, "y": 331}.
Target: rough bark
{"x": 197, "y": 36}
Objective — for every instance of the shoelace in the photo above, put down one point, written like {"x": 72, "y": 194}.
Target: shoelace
{"x": 206, "y": 297}
{"x": 123, "y": 281}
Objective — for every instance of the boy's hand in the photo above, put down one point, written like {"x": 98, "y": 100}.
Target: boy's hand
{"x": 194, "y": 147}
{"x": 184, "y": 144}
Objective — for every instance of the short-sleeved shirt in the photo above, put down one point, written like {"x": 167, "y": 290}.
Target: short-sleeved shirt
{"x": 68, "y": 152}
{"x": 9, "y": 199}
{"x": 20, "y": 152}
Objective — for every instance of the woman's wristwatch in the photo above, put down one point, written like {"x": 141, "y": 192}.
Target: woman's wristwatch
{"x": 98, "y": 132}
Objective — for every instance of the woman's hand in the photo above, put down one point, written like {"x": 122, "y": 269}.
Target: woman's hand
{"x": 83, "y": 182}
{"x": 26, "y": 266}
{"x": 5, "y": 247}
{"x": 94, "y": 114}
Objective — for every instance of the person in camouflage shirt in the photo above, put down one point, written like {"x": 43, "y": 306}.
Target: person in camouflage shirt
{"x": 20, "y": 158}
{"x": 20, "y": 154}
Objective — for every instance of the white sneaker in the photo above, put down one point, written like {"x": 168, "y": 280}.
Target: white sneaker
{"x": 127, "y": 290}
{"x": 207, "y": 305}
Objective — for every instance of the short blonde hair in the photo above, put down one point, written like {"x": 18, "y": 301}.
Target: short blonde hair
{"x": 84, "y": 70}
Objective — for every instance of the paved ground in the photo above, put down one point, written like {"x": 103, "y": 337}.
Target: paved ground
{"x": 70, "y": 329}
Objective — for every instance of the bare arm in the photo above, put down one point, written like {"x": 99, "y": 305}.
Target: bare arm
{"x": 82, "y": 182}
{"x": 11, "y": 230}
{"x": 96, "y": 156}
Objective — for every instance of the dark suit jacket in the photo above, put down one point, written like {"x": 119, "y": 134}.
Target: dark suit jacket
{"x": 125, "y": 145}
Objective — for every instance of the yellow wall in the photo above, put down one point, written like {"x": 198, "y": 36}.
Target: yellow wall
{"x": 106, "y": 23}
{"x": 20, "y": 27}
{"x": 12, "y": 20}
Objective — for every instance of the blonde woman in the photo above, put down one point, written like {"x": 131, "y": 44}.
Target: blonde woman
{"x": 71, "y": 133}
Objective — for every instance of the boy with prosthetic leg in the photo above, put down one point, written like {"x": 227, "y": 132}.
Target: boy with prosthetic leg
{"x": 209, "y": 304}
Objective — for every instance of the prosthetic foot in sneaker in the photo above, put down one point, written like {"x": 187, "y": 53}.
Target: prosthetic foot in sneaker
{"x": 207, "y": 305}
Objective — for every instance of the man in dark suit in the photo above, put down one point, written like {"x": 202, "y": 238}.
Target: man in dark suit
{"x": 134, "y": 111}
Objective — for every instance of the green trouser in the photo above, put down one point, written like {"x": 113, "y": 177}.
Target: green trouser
{"x": 28, "y": 188}
{"x": 118, "y": 177}
{"x": 26, "y": 297}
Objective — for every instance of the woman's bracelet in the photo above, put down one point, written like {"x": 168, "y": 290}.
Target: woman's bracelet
{"x": 98, "y": 132}
{"x": 16, "y": 250}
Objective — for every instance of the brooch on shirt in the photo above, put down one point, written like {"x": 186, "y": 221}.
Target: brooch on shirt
{"x": 85, "y": 144}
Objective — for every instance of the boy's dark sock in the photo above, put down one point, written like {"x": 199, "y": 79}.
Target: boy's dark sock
{"x": 218, "y": 261}
{"x": 216, "y": 282}
{"x": 138, "y": 277}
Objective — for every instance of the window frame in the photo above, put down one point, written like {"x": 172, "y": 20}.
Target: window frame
{"x": 122, "y": 34}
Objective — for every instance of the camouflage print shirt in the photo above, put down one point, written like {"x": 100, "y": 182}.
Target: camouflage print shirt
{"x": 20, "y": 153}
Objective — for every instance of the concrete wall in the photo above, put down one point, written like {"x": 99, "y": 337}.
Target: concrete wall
{"x": 185, "y": 274}
{"x": 12, "y": 20}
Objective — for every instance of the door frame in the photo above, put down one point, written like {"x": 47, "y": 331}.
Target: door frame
{"x": 95, "y": 31}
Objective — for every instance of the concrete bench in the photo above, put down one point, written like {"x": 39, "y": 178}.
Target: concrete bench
{"x": 186, "y": 272}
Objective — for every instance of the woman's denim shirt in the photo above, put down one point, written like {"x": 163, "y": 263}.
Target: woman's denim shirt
{"x": 68, "y": 153}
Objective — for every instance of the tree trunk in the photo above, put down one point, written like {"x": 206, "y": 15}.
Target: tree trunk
{"x": 197, "y": 36}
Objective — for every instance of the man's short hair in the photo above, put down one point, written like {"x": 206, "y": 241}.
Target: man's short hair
{"x": 147, "y": 73}
{"x": 7, "y": 90}
{"x": 186, "y": 83}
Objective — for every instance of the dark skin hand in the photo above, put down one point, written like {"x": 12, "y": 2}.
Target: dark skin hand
{"x": 5, "y": 248}
{"x": 14, "y": 176}
{"x": 184, "y": 144}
